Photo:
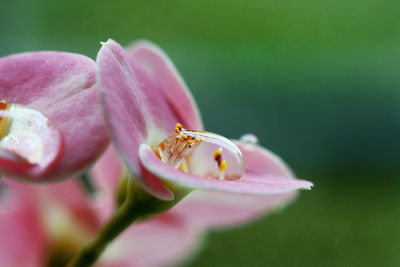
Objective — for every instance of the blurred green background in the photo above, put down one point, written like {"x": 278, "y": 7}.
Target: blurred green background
{"x": 316, "y": 81}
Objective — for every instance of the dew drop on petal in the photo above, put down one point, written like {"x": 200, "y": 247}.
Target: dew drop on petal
{"x": 249, "y": 139}
{"x": 202, "y": 153}
{"x": 27, "y": 133}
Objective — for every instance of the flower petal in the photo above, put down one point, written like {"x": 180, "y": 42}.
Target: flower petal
{"x": 168, "y": 233}
{"x": 162, "y": 71}
{"x": 69, "y": 196}
{"x": 201, "y": 208}
{"x": 62, "y": 86}
{"x": 163, "y": 240}
{"x": 107, "y": 172}
{"x": 261, "y": 161}
{"x": 30, "y": 144}
{"x": 11, "y": 162}
{"x": 216, "y": 209}
{"x": 251, "y": 183}
{"x": 35, "y": 219}
{"x": 220, "y": 210}
{"x": 22, "y": 241}
{"x": 134, "y": 109}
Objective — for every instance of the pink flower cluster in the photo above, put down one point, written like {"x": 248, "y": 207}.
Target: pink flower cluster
{"x": 58, "y": 112}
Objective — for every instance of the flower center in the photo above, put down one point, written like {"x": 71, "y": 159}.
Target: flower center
{"x": 25, "y": 132}
{"x": 202, "y": 153}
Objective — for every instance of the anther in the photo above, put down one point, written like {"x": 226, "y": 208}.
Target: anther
{"x": 222, "y": 168}
{"x": 183, "y": 138}
{"x": 202, "y": 153}
{"x": 3, "y": 104}
{"x": 217, "y": 154}
{"x": 178, "y": 128}
{"x": 162, "y": 145}
{"x": 223, "y": 165}
{"x": 3, "y": 118}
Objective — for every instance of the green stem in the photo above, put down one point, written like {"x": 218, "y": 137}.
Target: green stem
{"x": 121, "y": 219}
{"x": 133, "y": 202}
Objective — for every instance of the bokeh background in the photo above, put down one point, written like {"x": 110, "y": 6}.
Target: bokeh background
{"x": 317, "y": 82}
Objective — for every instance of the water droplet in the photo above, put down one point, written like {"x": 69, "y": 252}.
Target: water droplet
{"x": 249, "y": 139}
{"x": 202, "y": 153}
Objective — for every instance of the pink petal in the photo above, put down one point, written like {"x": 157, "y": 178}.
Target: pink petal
{"x": 107, "y": 171}
{"x": 22, "y": 241}
{"x": 262, "y": 161}
{"x": 71, "y": 197}
{"x": 10, "y": 162}
{"x": 163, "y": 72}
{"x": 105, "y": 175}
{"x": 251, "y": 183}
{"x": 134, "y": 108}
{"x": 29, "y": 217}
{"x": 220, "y": 210}
{"x": 216, "y": 209}
{"x": 62, "y": 86}
{"x": 163, "y": 240}
{"x": 167, "y": 234}
{"x": 33, "y": 147}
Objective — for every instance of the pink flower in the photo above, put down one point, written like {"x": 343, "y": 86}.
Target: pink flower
{"x": 143, "y": 98}
{"x": 45, "y": 225}
{"x": 51, "y": 125}
{"x": 188, "y": 220}
{"x": 200, "y": 211}
{"x": 49, "y": 223}
{"x": 206, "y": 209}
{"x": 171, "y": 234}
{"x": 36, "y": 220}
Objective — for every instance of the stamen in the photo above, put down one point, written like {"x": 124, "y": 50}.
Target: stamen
{"x": 178, "y": 128}
{"x": 183, "y": 138}
{"x": 217, "y": 154}
{"x": 222, "y": 168}
{"x": 190, "y": 150}
{"x": 222, "y": 165}
{"x": 3, "y": 119}
{"x": 3, "y": 104}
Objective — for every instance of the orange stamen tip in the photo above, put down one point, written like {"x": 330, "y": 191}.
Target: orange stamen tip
{"x": 179, "y": 126}
{"x": 217, "y": 153}
{"x": 223, "y": 165}
{"x": 162, "y": 145}
{"x": 3, "y": 104}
